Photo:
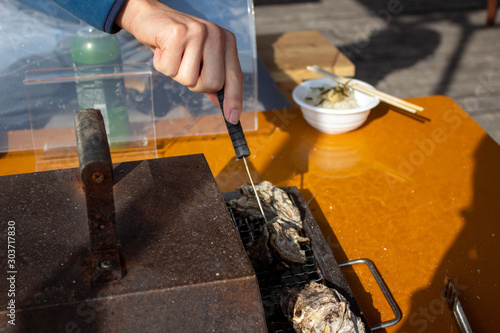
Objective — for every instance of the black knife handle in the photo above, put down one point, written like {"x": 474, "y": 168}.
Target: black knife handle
{"x": 235, "y": 131}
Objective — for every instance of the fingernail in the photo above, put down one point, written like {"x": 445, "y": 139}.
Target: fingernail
{"x": 234, "y": 117}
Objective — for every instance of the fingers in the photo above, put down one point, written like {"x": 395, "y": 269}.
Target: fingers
{"x": 193, "y": 55}
{"x": 169, "y": 51}
{"x": 233, "y": 81}
{"x": 196, "y": 53}
{"x": 212, "y": 71}
{"x": 188, "y": 71}
{"x": 208, "y": 62}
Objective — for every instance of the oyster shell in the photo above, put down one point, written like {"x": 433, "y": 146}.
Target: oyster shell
{"x": 250, "y": 207}
{"x": 317, "y": 308}
{"x": 277, "y": 200}
{"x": 279, "y": 244}
{"x": 280, "y": 236}
{"x": 286, "y": 240}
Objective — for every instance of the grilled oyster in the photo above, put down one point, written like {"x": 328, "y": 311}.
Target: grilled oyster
{"x": 286, "y": 241}
{"x": 280, "y": 237}
{"x": 276, "y": 199}
{"x": 278, "y": 245}
{"x": 317, "y": 308}
{"x": 250, "y": 207}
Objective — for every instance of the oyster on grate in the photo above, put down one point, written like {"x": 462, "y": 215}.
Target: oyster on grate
{"x": 277, "y": 200}
{"x": 278, "y": 245}
{"x": 280, "y": 236}
{"x": 286, "y": 240}
{"x": 317, "y": 308}
{"x": 250, "y": 207}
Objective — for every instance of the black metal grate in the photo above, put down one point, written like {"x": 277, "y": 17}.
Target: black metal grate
{"x": 272, "y": 282}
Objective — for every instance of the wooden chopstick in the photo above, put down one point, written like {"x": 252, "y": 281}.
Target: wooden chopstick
{"x": 387, "y": 98}
{"x": 397, "y": 102}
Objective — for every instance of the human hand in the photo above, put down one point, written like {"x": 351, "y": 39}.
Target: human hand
{"x": 196, "y": 53}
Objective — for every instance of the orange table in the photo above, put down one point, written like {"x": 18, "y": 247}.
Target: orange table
{"x": 418, "y": 199}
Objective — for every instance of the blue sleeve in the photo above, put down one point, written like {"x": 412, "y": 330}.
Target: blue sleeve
{"x": 100, "y": 14}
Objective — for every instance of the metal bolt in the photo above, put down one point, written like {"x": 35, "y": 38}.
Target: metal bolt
{"x": 107, "y": 265}
{"x": 98, "y": 177}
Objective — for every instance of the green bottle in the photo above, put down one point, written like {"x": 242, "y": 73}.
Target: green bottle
{"x": 95, "y": 53}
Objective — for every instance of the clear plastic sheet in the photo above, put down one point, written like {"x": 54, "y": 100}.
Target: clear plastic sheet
{"x": 36, "y": 35}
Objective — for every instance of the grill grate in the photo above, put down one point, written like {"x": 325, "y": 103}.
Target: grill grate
{"x": 320, "y": 265}
{"x": 272, "y": 282}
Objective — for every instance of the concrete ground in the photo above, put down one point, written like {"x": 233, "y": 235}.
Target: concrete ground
{"x": 407, "y": 48}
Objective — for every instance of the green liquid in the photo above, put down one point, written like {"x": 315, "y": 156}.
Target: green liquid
{"x": 95, "y": 53}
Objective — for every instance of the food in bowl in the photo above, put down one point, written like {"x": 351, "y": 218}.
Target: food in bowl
{"x": 334, "y": 121}
{"x": 332, "y": 97}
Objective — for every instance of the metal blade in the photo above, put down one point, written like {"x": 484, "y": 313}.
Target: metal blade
{"x": 254, "y": 190}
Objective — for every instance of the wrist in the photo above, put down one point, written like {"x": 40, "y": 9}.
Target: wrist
{"x": 132, "y": 11}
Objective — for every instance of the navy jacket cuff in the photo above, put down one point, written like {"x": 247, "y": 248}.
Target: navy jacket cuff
{"x": 109, "y": 25}
{"x": 101, "y": 14}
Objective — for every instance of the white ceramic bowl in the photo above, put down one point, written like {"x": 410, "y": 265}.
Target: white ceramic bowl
{"x": 334, "y": 121}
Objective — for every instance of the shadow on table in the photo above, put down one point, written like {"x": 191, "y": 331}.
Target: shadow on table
{"x": 474, "y": 276}
{"x": 402, "y": 45}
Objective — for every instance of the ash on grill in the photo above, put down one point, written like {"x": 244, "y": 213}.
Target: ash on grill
{"x": 276, "y": 272}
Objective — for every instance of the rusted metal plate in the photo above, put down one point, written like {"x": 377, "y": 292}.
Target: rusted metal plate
{"x": 186, "y": 267}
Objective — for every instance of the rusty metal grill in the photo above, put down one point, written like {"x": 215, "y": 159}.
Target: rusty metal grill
{"x": 272, "y": 282}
